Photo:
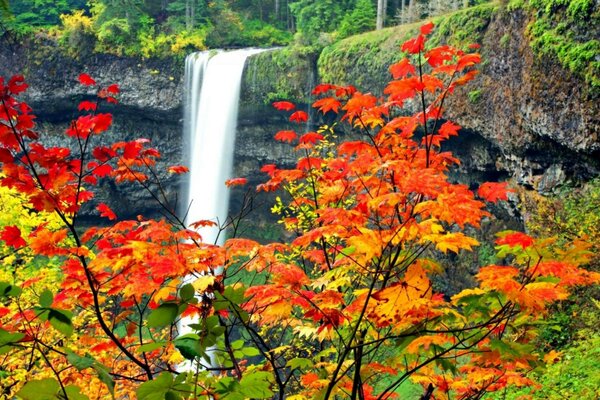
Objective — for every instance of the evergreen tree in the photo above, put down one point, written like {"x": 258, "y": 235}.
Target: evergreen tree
{"x": 361, "y": 19}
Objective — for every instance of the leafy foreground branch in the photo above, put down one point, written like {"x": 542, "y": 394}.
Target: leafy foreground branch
{"x": 344, "y": 310}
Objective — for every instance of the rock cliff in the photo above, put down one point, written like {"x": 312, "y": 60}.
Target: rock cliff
{"x": 150, "y": 106}
{"x": 526, "y": 116}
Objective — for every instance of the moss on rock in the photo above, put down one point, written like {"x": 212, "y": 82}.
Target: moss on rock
{"x": 364, "y": 59}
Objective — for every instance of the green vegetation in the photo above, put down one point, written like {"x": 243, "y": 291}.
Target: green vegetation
{"x": 152, "y": 28}
{"x": 567, "y": 30}
{"x": 362, "y": 58}
{"x": 571, "y": 333}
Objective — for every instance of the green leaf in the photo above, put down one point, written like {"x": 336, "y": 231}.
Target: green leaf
{"x": 163, "y": 315}
{"x": 46, "y": 299}
{"x": 78, "y": 361}
{"x": 155, "y": 389}
{"x": 238, "y": 344}
{"x": 257, "y": 385}
{"x": 299, "y": 363}
{"x": 44, "y": 389}
{"x": 8, "y": 290}
{"x": 250, "y": 351}
{"x": 8, "y": 339}
{"x": 88, "y": 361}
{"x": 73, "y": 393}
{"x": 189, "y": 346}
{"x": 61, "y": 321}
{"x": 186, "y": 293}
{"x": 151, "y": 346}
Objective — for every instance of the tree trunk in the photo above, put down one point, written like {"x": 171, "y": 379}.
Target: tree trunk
{"x": 380, "y": 14}
{"x": 276, "y": 10}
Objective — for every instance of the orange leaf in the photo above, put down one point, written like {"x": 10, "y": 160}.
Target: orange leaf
{"x": 236, "y": 182}
{"x": 299, "y": 117}
{"x": 105, "y": 211}
{"x": 286, "y": 136}
{"x": 494, "y": 191}
{"x": 178, "y": 169}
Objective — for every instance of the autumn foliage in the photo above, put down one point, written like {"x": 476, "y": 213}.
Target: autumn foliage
{"x": 346, "y": 309}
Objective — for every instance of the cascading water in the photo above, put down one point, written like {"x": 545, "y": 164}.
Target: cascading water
{"x": 212, "y": 93}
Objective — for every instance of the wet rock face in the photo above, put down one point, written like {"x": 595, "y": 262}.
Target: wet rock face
{"x": 539, "y": 115}
{"x": 150, "y": 107}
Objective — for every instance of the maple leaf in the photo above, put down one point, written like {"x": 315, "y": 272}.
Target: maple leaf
{"x": 86, "y": 80}
{"x": 236, "y": 182}
{"x": 427, "y": 28}
{"x": 16, "y": 84}
{"x": 11, "y": 235}
{"x": 402, "y": 68}
{"x": 322, "y": 88}
{"x": 286, "y": 136}
{"x": 494, "y": 191}
{"x": 114, "y": 89}
{"x": 87, "y": 106}
{"x": 414, "y": 45}
{"x": 178, "y": 169}
{"x": 327, "y": 104}
{"x": 299, "y": 117}
{"x": 311, "y": 137}
{"x": 105, "y": 211}
{"x": 284, "y": 105}
{"x": 202, "y": 223}
{"x": 512, "y": 239}
{"x": 101, "y": 122}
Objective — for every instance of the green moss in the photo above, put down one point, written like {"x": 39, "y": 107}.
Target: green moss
{"x": 504, "y": 40}
{"x": 569, "y": 31}
{"x": 363, "y": 60}
{"x": 282, "y": 74}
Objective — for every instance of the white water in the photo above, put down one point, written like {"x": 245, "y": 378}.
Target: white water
{"x": 211, "y": 94}
{"x": 214, "y": 96}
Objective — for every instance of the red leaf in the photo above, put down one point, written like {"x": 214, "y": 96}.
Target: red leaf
{"x": 327, "y": 104}
{"x": 101, "y": 122}
{"x": 178, "y": 169}
{"x": 17, "y": 84}
{"x": 86, "y": 80}
{"x": 513, "y": 239}
{"x": 102, "y": 170}
{"x": 494, "y": 191}
{"x": 309, "y": 163}
{"x": 269, "y": 169}
{"x": 12, "y": 237}
{"x": 284, "y": 105}
{"x": 415, "y": 45}
{"x": 236, "y": 182}
{"x": 87, "y": 106}
{"x": 311, "y": 137}
{"x": 427, "y": 28}
{"x": 103, "y": 154}
{"x": 299, "y": 117}
{"x": 132, "y": 150}
{"x": 286, "y": 136}
{"x": 402, "y": 68}
{"x": 105, "y": 211}
{"x": 322, "y": 88}
{"x": 6, "y": 156}
{"x": 114, "y": 89}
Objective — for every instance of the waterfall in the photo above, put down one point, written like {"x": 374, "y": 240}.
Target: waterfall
{"x": 212, "y": 92}
{"x": 213, "y": 97}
